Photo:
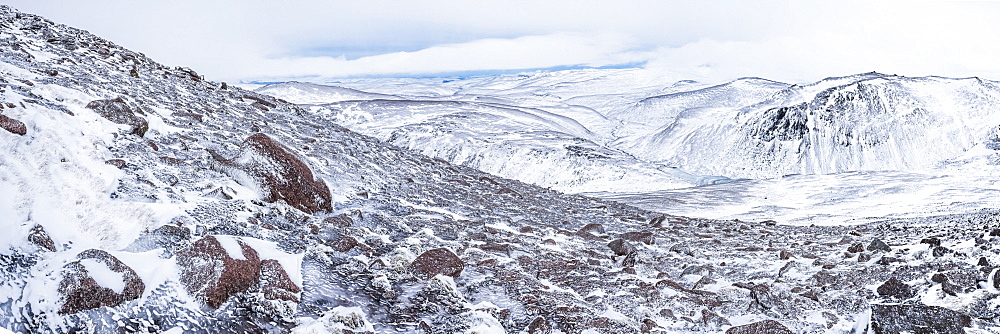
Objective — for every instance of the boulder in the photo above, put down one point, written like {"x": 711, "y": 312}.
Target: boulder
{"x": 81, "y": 290}
{"x": 760, "y": 327}
{"x": 275, "y": 283}
{"x": 438, "y": 261}
{"x": 212, "y": 274}
{"x": 896, "y": 318}
{"x": 13, "y": 126}
{"x": 118, "y": 111}
{"x": 39, "y": 237}
{"x": 621, "y": 247}
{"x": 895, "y": 288}
{"x": 878, "y": 245}
{"x": 279, "y": 174}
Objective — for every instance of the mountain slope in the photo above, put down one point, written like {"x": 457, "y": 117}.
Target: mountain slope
{"x": 872, "y": 122}
{"x": 306, "y": 93}
{"x": 141, "y": 198}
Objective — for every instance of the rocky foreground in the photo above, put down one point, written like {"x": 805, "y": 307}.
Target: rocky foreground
{"x": 142, "y": 198}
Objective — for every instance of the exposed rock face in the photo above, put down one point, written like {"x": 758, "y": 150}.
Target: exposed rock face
{"x": 211, "y": 273}
{"x": 760, "y": 327}
{"x": 280, "y": 175}
{"x": 896, "y": 319}
{"x": 118, "y": 111}
{"x": 13, "y": 126}
{"x": 438, "y": 261}
{"x": 81, "y": 291}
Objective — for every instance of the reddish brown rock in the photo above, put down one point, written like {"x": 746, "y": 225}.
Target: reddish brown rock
{"x": 438, "y": 261}
{"x": 81, "y": 292}
{"x": 210, "y": 274}
{"x": 13, "y": 126}
{"x": 538, "y": 326}
{"x": 275, "y": 283}
{"x": 118, "y": 111}
{"x": 116, "y": 162}
{"x": 341, "y": 221}
{"x": 760, "y": 327}
{"x": 280, "y": 174}
{"x": 39, "y": 237}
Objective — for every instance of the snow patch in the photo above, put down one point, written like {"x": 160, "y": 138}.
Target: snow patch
{"x": 104, "y": 276}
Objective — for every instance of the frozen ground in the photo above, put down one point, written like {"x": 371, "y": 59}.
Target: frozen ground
{"x": 137, "y": 197}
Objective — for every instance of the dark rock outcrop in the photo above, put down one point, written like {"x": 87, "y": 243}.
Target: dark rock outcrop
{"x": 438, "y": 261}
{"x": 760, "y": 327}
{"x": 118, "y": 111}
{"x": 878, "y": 245}
{"x": 13, "y": 126}
{"x": 895, "y": 319}
{"x": 280, "y": 174}
{"x": 895, "y": 288}
{"x": 81, "y": 291}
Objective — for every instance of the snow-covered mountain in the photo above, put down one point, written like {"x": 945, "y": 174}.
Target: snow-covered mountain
{"x": 868, "y": 122}
{"x": 306, "y": 93}
{"x": 136, "y": 197}
{"x": 650, "y": 137}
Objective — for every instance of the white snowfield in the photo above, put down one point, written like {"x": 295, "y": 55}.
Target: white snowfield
{"x": 857, "y": 148}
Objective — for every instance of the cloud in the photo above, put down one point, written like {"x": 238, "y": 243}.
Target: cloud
{"x": 793, "y": 41}
{"x": 561, "y": 49}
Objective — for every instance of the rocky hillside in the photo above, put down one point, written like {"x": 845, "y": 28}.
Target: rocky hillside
{"x": 137, "y": 197}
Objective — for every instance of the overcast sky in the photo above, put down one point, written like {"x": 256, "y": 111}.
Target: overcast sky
{"x": 791, "y": 41}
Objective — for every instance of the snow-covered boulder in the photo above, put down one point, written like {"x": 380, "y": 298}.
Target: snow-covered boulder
{"x": 278, "y": 175}
{"x": 118, "y": 111}
{"x": 97, "y": 279}
{"x": 214, "y": 268}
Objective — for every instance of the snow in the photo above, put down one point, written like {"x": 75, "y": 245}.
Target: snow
{"x": 443, "y": 211}
{"x": 877, "y": 145}
{"x": 104, "y": 276}
{"x": 334, "y": 321}
{"x": 232, "y": 247}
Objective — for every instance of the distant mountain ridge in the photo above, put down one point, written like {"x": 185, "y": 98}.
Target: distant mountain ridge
{"x": 750, "y": 127}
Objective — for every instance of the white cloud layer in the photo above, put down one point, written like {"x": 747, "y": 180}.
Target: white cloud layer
{"x": 794, "y": 41}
